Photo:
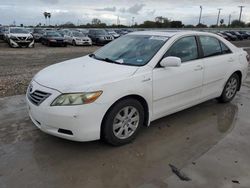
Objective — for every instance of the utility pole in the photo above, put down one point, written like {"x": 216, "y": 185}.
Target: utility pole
{"x": 133, "y": 20}
{"x": 241, "y": 7}
{"x": 218, "y": 18}
{"x": 229, "y": 20}
{"x": 200, "y": 14}
{"x": 118, "y": 20}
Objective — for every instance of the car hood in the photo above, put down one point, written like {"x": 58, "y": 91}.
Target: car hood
{"x": 85, "y": 38}
{"x": 56, "y": 38}
{"x": 20, "y": 34}
{"x": 81, "y": 74}
{"x": 104, "y": 35}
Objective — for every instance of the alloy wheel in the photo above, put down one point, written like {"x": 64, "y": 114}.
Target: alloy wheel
{"x": 126, "y": 122}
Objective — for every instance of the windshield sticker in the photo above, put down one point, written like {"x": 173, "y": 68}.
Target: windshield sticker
{"x": 120, "y": 61}
{"x": 158, "y": 38}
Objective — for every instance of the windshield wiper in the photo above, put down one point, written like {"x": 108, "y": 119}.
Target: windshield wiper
{"x": 92, "y": 55}
{"x": 111, "y": 61}
{"x": 104, "y": 59}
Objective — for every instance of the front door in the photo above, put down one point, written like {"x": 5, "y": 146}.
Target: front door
{"x": 177, "y": 87}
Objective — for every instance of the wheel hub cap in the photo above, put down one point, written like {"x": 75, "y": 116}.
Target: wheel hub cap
{"x": 231, "y": 88}
{"x": 126, "y": 122}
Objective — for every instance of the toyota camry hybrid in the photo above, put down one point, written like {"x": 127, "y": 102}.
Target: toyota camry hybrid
{"x": 132, "y": 81}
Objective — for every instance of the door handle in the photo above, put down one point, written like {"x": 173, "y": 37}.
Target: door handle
{"x": 230, "y": 60}
{"x": 198, "y": 68}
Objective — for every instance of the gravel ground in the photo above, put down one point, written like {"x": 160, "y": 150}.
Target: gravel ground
{"x": 18, "y": 66}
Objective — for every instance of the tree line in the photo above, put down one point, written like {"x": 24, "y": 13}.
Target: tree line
{"x": 159, "y": 22}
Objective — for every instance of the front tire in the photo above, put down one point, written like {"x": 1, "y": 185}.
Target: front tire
{"x": 123, "y": 122}
{"x": 230, "y": 89}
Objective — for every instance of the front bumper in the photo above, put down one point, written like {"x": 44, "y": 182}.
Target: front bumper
{"x": 58, "y": 43}
{"x": 82, "y": 42}
{"x": 78, "y": 123}
{"x": 25, "y": 43}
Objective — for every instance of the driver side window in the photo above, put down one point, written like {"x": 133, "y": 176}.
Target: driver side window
{"x": 185, "y": 48}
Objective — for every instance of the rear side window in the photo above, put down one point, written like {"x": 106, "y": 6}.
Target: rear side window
{"x": 185, "y": 48}
{"x": 210, "y": 46}
{"x": 225, "y": 49}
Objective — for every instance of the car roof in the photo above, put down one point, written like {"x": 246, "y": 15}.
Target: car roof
{"x": 166, "y": 33}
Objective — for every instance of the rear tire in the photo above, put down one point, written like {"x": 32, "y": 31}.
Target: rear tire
{"x": 230, "y": 89}
{"x": 123, "y": 122}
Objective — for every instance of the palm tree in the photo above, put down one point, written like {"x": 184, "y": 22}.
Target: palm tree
{"x": 49, "y": 16}
{"x": 45, "y": 15}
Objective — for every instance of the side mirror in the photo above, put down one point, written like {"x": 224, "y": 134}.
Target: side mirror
{"x": 170, "y": 62}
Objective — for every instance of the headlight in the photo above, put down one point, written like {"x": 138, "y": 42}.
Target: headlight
{"x": 12, "y": 37}
{"x": 76, "y": 98}
{"x": 30, "y": 37}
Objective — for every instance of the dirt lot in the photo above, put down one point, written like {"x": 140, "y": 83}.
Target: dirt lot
{"x": 18, "y": 66}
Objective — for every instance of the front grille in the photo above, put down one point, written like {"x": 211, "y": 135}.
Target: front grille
{"x": 22, "y": 38}
{"x": 37, "y": 97}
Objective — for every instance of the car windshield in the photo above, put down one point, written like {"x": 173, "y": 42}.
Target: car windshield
{"x": 101, "y": 32}
{"x": 78, "y": 34}
{"x": 53, "y": 34}
{"x": 136, "y": 50}
{"x": 18, "y": 30}
{"x": 40, "y": 31}
{"x": 111, "y": 32}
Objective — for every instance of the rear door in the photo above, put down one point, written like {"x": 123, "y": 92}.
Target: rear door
{"x": 217, "y": 61}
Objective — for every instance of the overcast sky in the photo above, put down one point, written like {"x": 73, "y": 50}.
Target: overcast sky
{"x": 83, "y": 11}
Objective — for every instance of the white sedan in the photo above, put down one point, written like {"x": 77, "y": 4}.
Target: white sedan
{"x": 77, "y": 38}
{"x": 133, "y": 81}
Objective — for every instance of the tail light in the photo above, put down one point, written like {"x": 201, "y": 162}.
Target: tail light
{"x": 248, "y": 58}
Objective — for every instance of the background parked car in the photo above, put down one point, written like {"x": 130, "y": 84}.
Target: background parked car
{"x": 38, "y": 33}
{"x": 245, "y": 34}
{"x": 19, "y": 37}
{"x": 84, "y": 31}
{"x": 77, "y": 38}
{"x": 53, "y": 38}
{"x": 100, "y": 36}
{"x": 230, "y": 36}
{"x": 113, "y": 33}
{"x": 121, "y": 32}
{"x": 2, "y": 32}
{"x": 238, "y": 35}
{"x": 61, "y": 32}
{"x": 223, "y": 36}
